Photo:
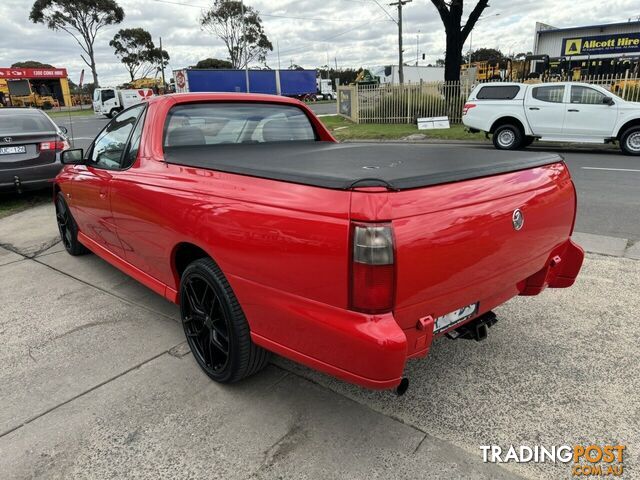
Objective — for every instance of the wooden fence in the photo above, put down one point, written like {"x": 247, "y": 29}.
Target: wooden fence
{"x": 406, "y": 103}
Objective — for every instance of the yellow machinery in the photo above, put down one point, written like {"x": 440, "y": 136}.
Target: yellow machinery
{"x": 34, "y": 99}
{"x": 484, "y": 70}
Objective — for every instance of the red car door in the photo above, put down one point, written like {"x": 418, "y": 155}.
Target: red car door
{"x": 91, "y": 201}
{"x": 138, "y": 212}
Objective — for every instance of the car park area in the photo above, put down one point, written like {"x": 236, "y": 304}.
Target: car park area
{"x": 127, "y": 397}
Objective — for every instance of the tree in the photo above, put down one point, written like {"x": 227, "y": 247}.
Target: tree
{"x": 344, "y": 76}
{"x": 451, "y": 16}
{"x": 82, "y": 19}
{"x": 485, "y": 55}
{"x": 135, "y": 49}
{"x": 245, "y": 40}
{"x": 31, "y": 64}
{"x": 213, "y": 63}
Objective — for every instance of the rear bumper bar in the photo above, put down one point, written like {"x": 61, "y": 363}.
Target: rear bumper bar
{"x": 37, "y": 176}
{"x": 560, "y": 271}
{"x": 369, "y": 350}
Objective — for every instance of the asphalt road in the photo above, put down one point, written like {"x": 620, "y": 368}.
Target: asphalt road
{"x": 608, "y": 183}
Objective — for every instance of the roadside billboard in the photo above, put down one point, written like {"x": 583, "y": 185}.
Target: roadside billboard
{"x": 622, "y": 43}
{"x": 33, "y": 73}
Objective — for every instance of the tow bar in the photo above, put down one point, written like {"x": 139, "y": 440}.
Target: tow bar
{"x": 475, "y": 330}
{"x": 17, "y": 183}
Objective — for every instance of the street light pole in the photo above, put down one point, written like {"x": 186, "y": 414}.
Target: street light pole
{"x": 471, "y": 34}
{"x": 400, "y": 4}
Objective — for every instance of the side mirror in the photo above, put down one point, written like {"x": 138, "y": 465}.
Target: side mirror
{"x": 74, "y": 156}
{"x": 63, "y": 130}
{"x": 608, "y": 101}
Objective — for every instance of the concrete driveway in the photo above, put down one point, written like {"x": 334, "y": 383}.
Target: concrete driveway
{"x": 97, "y": 382}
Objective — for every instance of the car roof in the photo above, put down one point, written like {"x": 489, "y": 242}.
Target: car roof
{"x": 223, "y": 97}
{"x": 21, "y": 110}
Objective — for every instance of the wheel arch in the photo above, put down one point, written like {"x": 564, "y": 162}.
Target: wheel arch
{"x": 183, "y": 254}
{"x": 634, "y": 122}
{"x": 508, "y": 120}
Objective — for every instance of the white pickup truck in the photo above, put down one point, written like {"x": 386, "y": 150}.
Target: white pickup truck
{"x": 517, "y": 114}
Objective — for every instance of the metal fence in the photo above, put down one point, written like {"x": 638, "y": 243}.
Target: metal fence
{"x": 406, "y": 103}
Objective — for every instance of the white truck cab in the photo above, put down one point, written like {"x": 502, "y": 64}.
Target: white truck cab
{"x": 111, "y": 101}
{"x": 517, "y": 114}
{"x": 325, "y": 89}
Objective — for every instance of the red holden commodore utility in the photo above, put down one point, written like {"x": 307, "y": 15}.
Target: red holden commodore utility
{"x": 273, "y": 237}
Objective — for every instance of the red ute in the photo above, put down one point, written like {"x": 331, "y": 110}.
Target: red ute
{"x": 348, "y": 258}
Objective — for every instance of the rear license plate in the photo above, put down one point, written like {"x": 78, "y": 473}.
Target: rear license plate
{"x": 457, "y": 316}
{"x": 11, "y": 150}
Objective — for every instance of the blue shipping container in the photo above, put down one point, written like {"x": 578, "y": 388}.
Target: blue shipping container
{"x": 292, "y": 82}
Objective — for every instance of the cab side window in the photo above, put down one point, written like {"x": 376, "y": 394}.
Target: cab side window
{"x": 108, "y": 95}
{"x": 586, "y": 95}
{"x": 109, "y": 146}
{"x": 551, "y": 94}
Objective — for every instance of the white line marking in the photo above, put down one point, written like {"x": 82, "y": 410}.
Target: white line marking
{"x": 611, "y": 169}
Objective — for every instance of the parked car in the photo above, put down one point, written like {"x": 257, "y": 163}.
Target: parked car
{"x": 348, "y": 258}
{"x": 518, "y": 114}
{"x": 30, "y": 147}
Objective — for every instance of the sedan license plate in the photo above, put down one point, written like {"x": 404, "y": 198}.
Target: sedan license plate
{"x": 457, "y": 316}
{"x": 12, "y": 150}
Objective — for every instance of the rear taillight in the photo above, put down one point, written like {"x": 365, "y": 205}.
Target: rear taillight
{"x": 53, "y": 146}
{"x": 372, "y": 268}
{"x": 467, "y": 107}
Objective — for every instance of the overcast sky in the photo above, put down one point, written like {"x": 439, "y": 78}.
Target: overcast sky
{"x": 309, "y": 32}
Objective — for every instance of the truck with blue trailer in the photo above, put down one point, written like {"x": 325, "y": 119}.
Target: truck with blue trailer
{"x": 289, "y": 83}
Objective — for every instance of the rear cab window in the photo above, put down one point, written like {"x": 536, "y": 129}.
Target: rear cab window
{"x": 498, "y": 92}
{"x": 219, "y": 123}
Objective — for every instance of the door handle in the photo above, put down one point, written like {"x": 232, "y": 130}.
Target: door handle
{"x": 534, "y": 108}
{"x": 573, "y": 110}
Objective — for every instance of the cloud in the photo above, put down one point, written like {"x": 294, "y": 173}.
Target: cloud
{"x": 352, "y": 33}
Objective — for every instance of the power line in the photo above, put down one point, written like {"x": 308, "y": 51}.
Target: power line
{"x": 327, "y": 39}
{"x": 262, "y": 14}
{"x": 385, "y": 11}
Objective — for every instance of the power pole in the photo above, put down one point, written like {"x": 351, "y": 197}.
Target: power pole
{"x": 400, "y": 4}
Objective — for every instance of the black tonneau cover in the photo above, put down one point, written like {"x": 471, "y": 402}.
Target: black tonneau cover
{"x": 347, "y": 165}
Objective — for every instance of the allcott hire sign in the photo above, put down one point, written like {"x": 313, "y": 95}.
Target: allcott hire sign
{"x": 601, "y": 44}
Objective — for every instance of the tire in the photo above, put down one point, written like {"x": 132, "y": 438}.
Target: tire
{"x": 68, "y": 228}
{"x": 507, "y": 137}
{"x": 113, "y": 112}
{"x": 630, "y": 141}
{"x": 527, "y": 141}
{"x": 215, "y": 326}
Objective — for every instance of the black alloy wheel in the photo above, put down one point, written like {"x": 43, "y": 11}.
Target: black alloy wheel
{"x": 206, "y": 324}
{"x": 68, "y": 228}
{"x": 215, "y": 326}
